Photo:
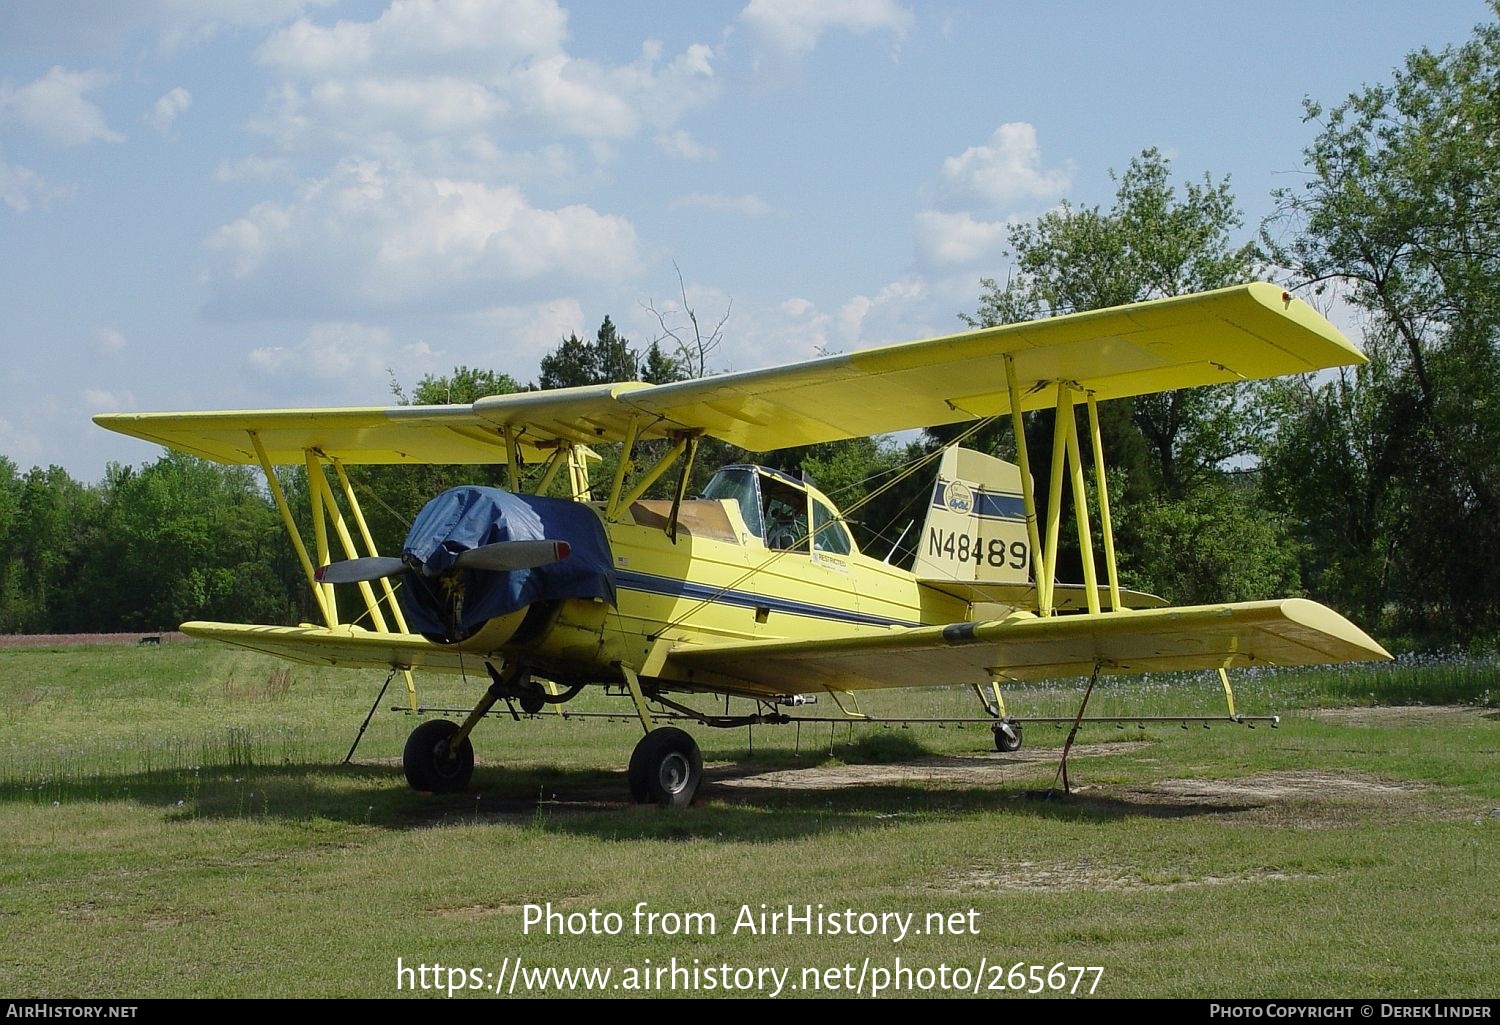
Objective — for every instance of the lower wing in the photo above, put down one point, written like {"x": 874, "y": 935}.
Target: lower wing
{"x": 347, "y": 646}
{"x": 1289, "y": 632}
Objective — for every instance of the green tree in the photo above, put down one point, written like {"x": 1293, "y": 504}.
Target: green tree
{"x": 180, "y": 539}
{"x": 1168, "y": 449}
{"x": 52, "y": 516}
{"x": 391, "y": 496}
{"x": 1329, "y": 461}
{"x": 1219, "y": 543}
{"x": 1149, "y": 245}
{"x": 605, "y": 360}
{"x": 575, "y": 362}
{"x": 1401, "y": 217}
{"x": 463, "y": 386}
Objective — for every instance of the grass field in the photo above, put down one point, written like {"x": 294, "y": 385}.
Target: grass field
{"x": 178, "y": 822}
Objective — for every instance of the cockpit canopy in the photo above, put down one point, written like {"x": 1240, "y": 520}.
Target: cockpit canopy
{"x": 778, "y": 509}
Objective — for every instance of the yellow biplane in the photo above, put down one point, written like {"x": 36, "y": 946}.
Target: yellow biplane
{"x": 756, "y": 589}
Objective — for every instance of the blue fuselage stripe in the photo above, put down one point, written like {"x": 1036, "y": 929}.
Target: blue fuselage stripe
{"x": 647, "y": 583}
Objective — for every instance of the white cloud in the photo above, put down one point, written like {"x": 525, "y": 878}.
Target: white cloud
{"x": 895, "y": 296}
{"x": 371, "y": 237}
{"x": 22, "y": 447}
{"x": 682, "y": 145}
{"x": 982, "y": 191}
{"x": 749, "y": 205}
{"x": 21, "y": 186}
{"x": 54, "y": 107}
{"x": 792, "y": 28}
{"x": 574, "y": 97}
{"x": 113, "y": 26}
{"x": 465, "y": 72}
{"x": 346, "y": 352}
{"x": 435, "y": 105}
{"x": 1005, "y": 171}
{"x": 519, "y": 336}
{"x": 252, "y": 169}
{"x": 101, "y": 400}
{"x": 110, "y": 339}
{"x": 165, "y": 111}
{"x": 452, "y": 35}
{"x": 797, "y": 328}
{"x": 944, "y": 238}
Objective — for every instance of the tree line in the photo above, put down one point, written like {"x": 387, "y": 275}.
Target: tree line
{"x": 1373, "y": 489}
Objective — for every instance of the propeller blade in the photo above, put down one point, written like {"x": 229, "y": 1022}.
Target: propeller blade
{"x": 508, "y": 555}
{"x": 354, "y": 571}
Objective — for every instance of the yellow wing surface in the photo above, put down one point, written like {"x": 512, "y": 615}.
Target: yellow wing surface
{"x": 1290, "y": 632}
{"x": 346, "y": 646}
{"x": 1242, "y": 333}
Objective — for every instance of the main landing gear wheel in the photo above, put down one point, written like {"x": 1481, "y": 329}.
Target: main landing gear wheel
{"x": 1007, "y": 737}
{"x": 665, "y": 768}
{"x": 429, "y": 762}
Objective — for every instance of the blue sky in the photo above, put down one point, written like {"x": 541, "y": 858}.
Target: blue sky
{"x": 275, "y": 203}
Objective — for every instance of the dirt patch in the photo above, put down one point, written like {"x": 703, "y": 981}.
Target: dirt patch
{"x": 975, "y": 770}
{"x": 1388, "y": 715}
{"x": 1280, "y": 786}
{"x": 90, "y": 640}
{"x": 1030, "y": 876}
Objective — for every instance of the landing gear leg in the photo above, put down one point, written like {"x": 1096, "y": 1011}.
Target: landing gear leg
{"x": 439, "y": 755}
{"x": 1007, "y": 730}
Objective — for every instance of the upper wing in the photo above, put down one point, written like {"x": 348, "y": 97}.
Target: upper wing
{"x": 1240, "y": 333}
{"x": 1246, "y": 332}
{"x": 395, "y": 434}
{"x": 1290, "y": 632}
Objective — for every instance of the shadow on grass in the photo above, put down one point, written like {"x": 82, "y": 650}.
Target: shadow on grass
{"x": 885, "y": 781}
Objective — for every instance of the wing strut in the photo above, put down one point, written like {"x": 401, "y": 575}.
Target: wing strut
{"x": 291, "y": 527}
{"x": 1080, "y": 506}
{"x": 320, "y": 528}
{"x": 372, "y": 604}
{"x": 1067, "y": 460}
{"x": 1106, "y": 525}
{"x": 1028, "y": 488}
{"x": 323, "y": 504}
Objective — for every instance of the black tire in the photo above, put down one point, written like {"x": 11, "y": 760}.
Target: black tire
{"x": 1006, "y": 744}
{"x": 427, "y": 762}
{"x": 665, "y": 768}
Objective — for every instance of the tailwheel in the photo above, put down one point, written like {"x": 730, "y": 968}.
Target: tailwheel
{"x": 1007, "y": 736}
{"x": 432, "y": 763}
{"x": 665, "y": 768}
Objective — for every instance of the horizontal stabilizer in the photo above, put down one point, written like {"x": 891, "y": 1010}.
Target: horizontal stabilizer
{"x": 1065, "y": 597}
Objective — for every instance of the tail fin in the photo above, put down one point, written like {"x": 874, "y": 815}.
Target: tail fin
{"x": 976, "y": 522}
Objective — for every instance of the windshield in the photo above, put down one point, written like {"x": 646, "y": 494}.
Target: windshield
{"x": 739, "y": 483}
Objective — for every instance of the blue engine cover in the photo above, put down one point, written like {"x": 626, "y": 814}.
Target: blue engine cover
{"x": 469, "y": 517}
